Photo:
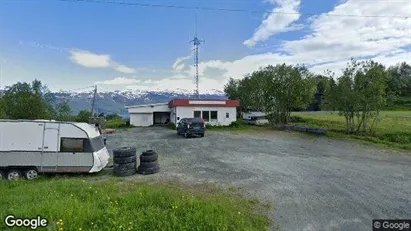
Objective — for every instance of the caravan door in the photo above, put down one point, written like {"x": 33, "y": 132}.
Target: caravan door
{"x": 50, "y": 149}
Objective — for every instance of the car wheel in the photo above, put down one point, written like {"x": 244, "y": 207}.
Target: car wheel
{"x": 2, "y": 175}
{"x": 185, "y": 135}
{"x": 14, "y": 174}
{"x": 202, "y": 135}
{"x": 31, "y": 174}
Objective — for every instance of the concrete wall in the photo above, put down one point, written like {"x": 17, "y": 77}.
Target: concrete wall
{"x": 141, "y": 119}
{"x": 188, "y": 112}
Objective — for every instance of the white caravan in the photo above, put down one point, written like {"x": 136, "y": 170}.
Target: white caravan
{"x": 29, "y": 147}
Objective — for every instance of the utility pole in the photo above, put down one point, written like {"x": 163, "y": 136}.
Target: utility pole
{"x": 197, "y": 42}
{"x": 94, "y": 101}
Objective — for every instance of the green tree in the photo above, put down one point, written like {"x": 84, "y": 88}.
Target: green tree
{"x": 360, "y": 94}
{"x": 83, "y": 116}
{"x": 277, "y": 90}
{"x": 63, "y": 111}
{"x": 399, "y": 80}
{"x": 2, "y": 112}
{"x": 28, "y": 101}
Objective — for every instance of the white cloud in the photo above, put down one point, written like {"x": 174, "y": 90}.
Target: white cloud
{"x": 330, "y": 44}
{"x": 275, "y": 23}
{"x": 124, "y": 69}
{"x": 178, "y": 64}
{"x": 92, "y": 60}
{"x": 88, "y": 59}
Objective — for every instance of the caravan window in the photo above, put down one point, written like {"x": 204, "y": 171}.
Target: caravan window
{"x": 72, "y": 145}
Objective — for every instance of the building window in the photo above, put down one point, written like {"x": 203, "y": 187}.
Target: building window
{"x": 227, "y": 115}
{"x": 197, "y": 114}
{"x": 206, "y": 115}
{"x": 213, "y": 115}
{"x": 72, "y": 145}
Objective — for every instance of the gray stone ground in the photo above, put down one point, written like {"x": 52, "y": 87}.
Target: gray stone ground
{"x": 312, "y": 183}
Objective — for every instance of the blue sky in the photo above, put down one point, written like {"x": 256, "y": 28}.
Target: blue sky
{"x": 72, "y": 45}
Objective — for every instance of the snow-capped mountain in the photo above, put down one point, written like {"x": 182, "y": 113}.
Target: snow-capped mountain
{"x": 115, "y": 101}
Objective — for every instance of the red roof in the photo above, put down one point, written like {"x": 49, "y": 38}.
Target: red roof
{"x": 203, "y": 103}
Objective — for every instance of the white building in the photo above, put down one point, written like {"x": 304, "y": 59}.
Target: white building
{"x": 214, "y": 112}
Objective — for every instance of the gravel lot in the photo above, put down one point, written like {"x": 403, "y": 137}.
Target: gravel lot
{"x": 312, "y": 183}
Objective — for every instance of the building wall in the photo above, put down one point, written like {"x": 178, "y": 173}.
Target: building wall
{"x": 141, "y": 119}
{"x": 188, "y": 112}
{"x": 149, "y": 109}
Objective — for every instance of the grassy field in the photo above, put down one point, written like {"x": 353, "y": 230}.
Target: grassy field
{"x": 393, "y": 129}
{"x": 76, "y": 203}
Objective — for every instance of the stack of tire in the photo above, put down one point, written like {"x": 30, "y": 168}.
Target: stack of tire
{"x": 124, "y": 161}
{"x": 148, "y": 163}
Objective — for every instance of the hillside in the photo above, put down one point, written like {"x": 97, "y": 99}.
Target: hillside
{"x": 114, "y": 102}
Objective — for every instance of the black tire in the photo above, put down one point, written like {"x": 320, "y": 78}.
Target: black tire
{"x": 125, "y": 160}
{"x": 202, "y": 135}
{"x": 2, "y": 175}
{"x": 151, "y": 158}
{"x": 14, "y": 174}
{"x": 124, "y": 152}
{"x": 127, "y": 172}
{"x": 147, "y": 171}
{"x": 125, "y": 166}
{"x": 124, "y": 169}
{"x": 186, "y": 135}
{"x": 148, "y": 164}
{"x": 31, "y": 174}
{"x": 149, "y": 153}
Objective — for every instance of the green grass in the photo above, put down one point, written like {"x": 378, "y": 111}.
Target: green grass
{"x": 117, "y": 123}
{"x": 76, "y": 203}
{"x": 393, "y": 129}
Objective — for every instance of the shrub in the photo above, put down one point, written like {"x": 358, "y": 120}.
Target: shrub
{"x": 297, "y": 119}
{"x": 118, "y": 123}
{"x": 237, "y": 124}
{"x": 171, "y": 126}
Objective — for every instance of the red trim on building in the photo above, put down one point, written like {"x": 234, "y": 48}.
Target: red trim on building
{"x": 186, "y": 103}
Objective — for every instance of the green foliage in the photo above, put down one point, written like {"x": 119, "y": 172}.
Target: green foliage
{"x": 64, "y": 111}
{"x": 399, "y": 80}
{"x": 112, "y": 116}
{"x": 360, "y": 94}
{"x": 83, "y": 116}
{"x": 85, "y": 204}
{"x": 171, "y": 126}
{"x": 28, "y": 101}
{"x": 277, "y": 90}
{"x": 2, "y": 111}
{"x": 117, "y": 122}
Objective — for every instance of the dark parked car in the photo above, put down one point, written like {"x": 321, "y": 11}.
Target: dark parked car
{"x": 191, "y": 126}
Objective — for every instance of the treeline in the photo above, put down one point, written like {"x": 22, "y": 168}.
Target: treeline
{"x": 359, "y": 93}
{"x": 34, "y": 101}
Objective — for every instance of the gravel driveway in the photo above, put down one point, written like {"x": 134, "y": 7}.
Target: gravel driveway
{"x": 312, "y": 183}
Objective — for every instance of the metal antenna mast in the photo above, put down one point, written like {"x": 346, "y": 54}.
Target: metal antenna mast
{"x": 196, "y": 42}
{"x": 94, "y": 101}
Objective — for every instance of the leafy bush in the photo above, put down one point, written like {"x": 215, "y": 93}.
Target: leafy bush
{"x": 297, "y": 119}
{"x": 237, "y": 124}
{"x": 171, "y": 126}
{"x": 118, "y": 123}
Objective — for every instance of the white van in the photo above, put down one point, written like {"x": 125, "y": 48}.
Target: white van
{"x": 29, "y": 147}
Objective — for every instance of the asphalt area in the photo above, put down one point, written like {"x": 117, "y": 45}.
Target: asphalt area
{"x": 312, "y": 183}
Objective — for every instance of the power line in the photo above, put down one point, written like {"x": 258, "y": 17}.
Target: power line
{"x": 227, "y": 9}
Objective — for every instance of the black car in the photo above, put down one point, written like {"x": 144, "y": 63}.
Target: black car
{"x": 190, "y": 127}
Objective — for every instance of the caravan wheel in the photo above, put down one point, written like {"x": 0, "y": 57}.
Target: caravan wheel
{"x": 31, "y": 174}
{"x": 14, "y": 174}
{"x": 2, "y": 175}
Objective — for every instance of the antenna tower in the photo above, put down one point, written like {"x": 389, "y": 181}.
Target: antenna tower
{"x": 196, "y": 42}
